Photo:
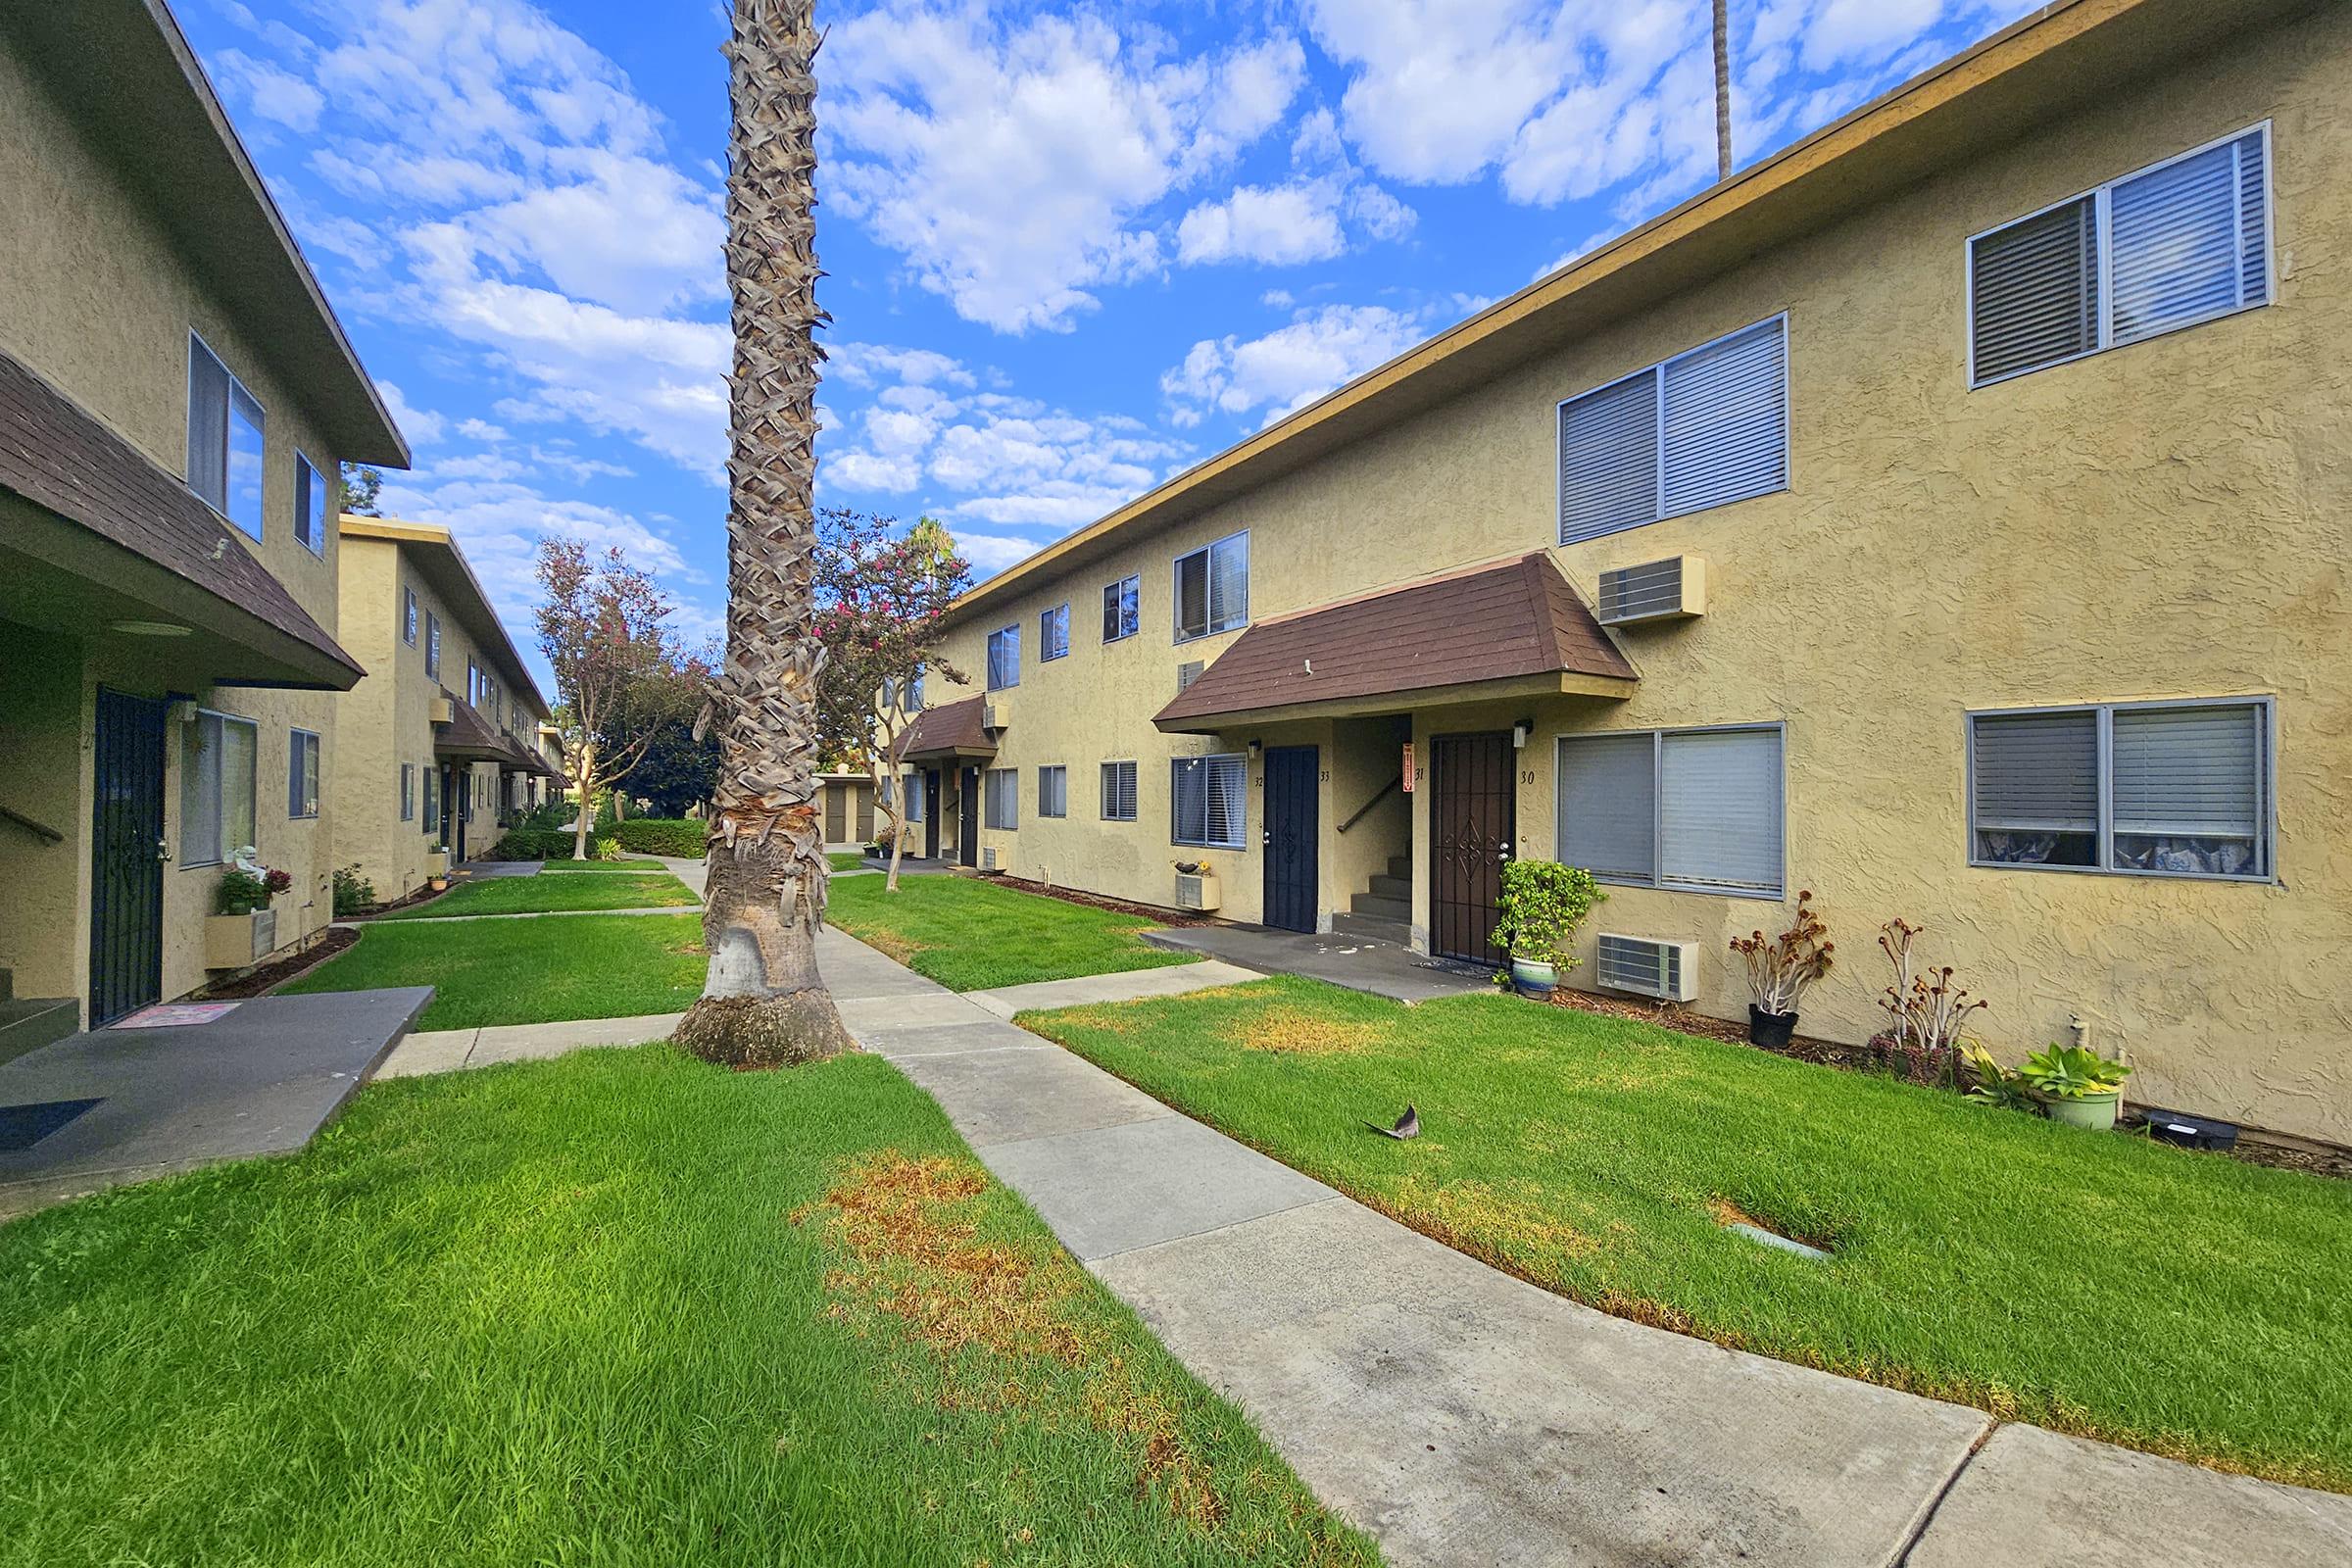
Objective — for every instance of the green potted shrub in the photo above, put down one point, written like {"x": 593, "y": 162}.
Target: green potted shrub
{"x": 2074, "y": 1085}
{"x": 1543, "y": 903}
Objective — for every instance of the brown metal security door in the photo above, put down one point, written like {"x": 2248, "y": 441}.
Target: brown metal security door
{"x": 1473, "y": 818}
{"x": 126, "y": 856}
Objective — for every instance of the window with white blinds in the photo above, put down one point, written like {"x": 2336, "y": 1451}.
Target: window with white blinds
{"x": 1212, "y": 588}
{"x": 1005, "y": 658}
{"x": 1118, "y": 792}
{"x": 2173, "y": 244}
{"x": 1052, "y": 792}
{"x": 1694, "y": 810}
{"x": 1001, "y": 799}
{"x": 1210, "y": 800}
{"x": 2164, "y": 789}
{"x": 1702, "y": 429}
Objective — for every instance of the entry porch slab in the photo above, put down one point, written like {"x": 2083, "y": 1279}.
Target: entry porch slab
{"x": 261, "y": 1079}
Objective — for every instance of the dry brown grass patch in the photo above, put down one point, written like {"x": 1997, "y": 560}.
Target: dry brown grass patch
{"x": 1303, "y": 1032}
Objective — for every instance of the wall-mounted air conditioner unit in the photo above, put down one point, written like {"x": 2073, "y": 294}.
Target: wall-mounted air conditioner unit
{"x": 1672, "y": 589}
{"x": 996, "y": 712}
{"x": 988, "y": 857}
{"x": 1199, "y": 892}
{"x": 1648, "y": 967}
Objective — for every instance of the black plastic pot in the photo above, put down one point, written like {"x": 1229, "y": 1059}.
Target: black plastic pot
{"x": 1771, "y": 1030}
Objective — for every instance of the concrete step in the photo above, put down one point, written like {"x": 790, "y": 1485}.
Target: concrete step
{"x": 1371, "y": 928}
{"x": 35, "y": 1021}
{"x": 1392, "y": 887}
{"x": 1400, "y": 866}
{"x": 1380, "y": 908}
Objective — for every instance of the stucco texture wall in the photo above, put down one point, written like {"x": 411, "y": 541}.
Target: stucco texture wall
{"x": 2166, "y": 520}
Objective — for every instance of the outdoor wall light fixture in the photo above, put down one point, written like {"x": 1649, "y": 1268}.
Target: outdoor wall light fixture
{"x": 1256, "y": 747}
{"x": 1520, "y": 731}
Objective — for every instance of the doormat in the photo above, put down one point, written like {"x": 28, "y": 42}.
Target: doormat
{"x": 173, "y": 1015}
{"x": 22, "y": 1126}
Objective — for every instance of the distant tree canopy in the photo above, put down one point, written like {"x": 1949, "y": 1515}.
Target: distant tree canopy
{"x": 362, "y": 486}
{"x": 880, "y": 598}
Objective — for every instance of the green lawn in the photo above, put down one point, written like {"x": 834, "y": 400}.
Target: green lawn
{"x": 2094, "y": 1282}
{"x": 631, "y": 864}
{"x": 618, "y": 1309}
{"x": 543, "y": 894}
{"x": 526, "y": 971}
{"x": 970, "y": 935}
{"x": 845, "y": 859}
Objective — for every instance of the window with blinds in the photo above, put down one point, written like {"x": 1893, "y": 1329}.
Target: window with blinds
{"x": 1052, "y": 792}
{"x": 1210, "y": 800}
{"x": 1054, "y": 633}
{"x": 2163, "y": 789}
{"x": 408, "y": 791}
{"x": 302, "y": 773}
{"x": 1702, "y": 429}
{"x": 1000, "y": 798}
{"x": 915, "y": 798}
{"x": 1005, "y": 658}
{"x": 1122, "y": 609}
{"x": 2173, "y": 244}
{"x": 1212, "y": 588}
{"x": 1118, "y": 792}
{"x": 1693, "y": 811}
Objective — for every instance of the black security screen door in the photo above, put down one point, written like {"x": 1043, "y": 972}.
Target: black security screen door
{"x": 931, "y": 814}
{"x": 1473, "y": 812}
{"x": 968, "y": 816}
{"x": 1292, "y": 817}
{"x": 126, "y": 856}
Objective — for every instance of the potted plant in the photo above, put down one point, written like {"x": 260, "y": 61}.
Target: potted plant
{"x": 1927, "y": 1014}
{"x": 436, "y": 867}
{"x": 1541, "y": 906}
{"x": 1779, "y": 970}
{"x": 2074, "y": 1085}
{"x": 242, "y": 928}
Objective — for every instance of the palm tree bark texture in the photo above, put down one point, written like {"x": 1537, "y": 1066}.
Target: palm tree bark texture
{"x": 765, "y": 1003}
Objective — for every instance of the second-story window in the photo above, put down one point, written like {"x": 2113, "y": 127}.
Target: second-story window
{"x": 1702, "y": 429}
{"x": 1005, "y": 658}
{"x": 1122, "y": 609}
{"x": 1212, "y": 588}
{"x": 310, "y": 505}
{"x": 433, "y": 645}
{"x": 227, "y": 444}
{"x": 1054, "y": 633}
{"x": 407, "y": 616}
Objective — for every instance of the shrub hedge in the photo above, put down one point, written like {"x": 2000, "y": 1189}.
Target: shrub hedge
{"x": 549, "y": 844}
{"x": 679, "y": 837}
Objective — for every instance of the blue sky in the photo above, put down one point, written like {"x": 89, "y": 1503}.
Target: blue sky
{"x": 1072, "y": 249}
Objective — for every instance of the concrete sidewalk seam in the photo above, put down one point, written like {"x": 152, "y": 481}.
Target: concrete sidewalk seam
{"x": 1927, "y": 1515}
{"x": 1212, "y": 1229}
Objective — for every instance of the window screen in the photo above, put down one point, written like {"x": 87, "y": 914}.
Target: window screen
{"x": 408, "y": 791}
{"x": 1698, "y": 811}
{"x": 1607, "y": 804}
{"x": 1003, "y": 659}
{"x": 1052, "y": 792}
{"x": 1212, "y": 588}
{"x": 433, "y": 801}
{"x": 1118, "y": 792}
{"x": 1702, "y": 429}
{"x": 208, "y": 425}
{"x": 1000, "y": 798}
{"x": 2037, "y": 291}
{"x": 1054, "y": 633}
{"x": 1122, "y": 609}
{"x": 1211, "y": 808}
{"x": 407, "y": 616}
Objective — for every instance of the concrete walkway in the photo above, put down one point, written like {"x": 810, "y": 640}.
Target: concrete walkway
{"x": 1465, "y": 1417}
{"x": 529, "y": 914}
{"x": 1360, "y": 964}
{"x": 448, "y": 1050}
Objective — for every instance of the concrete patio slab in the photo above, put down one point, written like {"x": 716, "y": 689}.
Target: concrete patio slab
{"x": 1360, "y": 965}
{"x": 1467, "y": 1417}
{"x": 997, "y": 1096}
{"x": 259, "y": 1080}
{"x": 1111, "y": 1190}
{"x": 2035, "y": 1499}
{"x": 936, "y": 1007}
{"x": 484, "y": 869}
{"x": 1131, "y": 985}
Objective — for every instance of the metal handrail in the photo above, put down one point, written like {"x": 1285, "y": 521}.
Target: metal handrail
{"x": 1386, "y": 790}
{"x": 37, "y": 829}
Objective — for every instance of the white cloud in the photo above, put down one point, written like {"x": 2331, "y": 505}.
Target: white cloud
{"x": 1290, "y": 366}
{"x": 1279, "y": 226}
{"x": 1012, "y": 164}
{"x": 422, "y": 426}
{"x": 480, "y": 430}
{"x": 273, "y": 93}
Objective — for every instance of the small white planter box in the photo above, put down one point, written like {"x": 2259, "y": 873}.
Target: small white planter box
{"x": 436, "y": 863}
{"x": 238, "y": 941}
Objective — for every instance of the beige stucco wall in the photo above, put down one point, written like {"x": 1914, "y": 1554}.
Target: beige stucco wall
{"x": 2167, "y": 519}
{"x": 94, "y": 297}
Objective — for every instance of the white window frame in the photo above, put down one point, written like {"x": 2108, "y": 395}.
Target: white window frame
{"x": 314, "y": 485}
{"x": 2103, "y": 851}
{"x": 221, "y": 852}
{"x": 1657, "y": 794}
{"x": 1658, "y": 439}
{"x": 1045, "y": 644}
{"x": 1208, "y": 589}
{"x": 1061, "y": 780}
{"x": 1240, "y": 827}
{"x": 989, "y": 658}
{"x": 259, "y": 528}
{"x": 2102, "y": 199}
{"x": 1009, "y": 794}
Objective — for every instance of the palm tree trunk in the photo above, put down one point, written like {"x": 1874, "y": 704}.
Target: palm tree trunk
{"x": 765, "y": 1003}
{"x": 1723, "y": 89}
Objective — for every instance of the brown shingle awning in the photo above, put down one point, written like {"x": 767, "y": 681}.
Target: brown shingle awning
{"x": 951, "y": 731}
{"x": 1512, "y": 628}
{"x": 468, "y": 737}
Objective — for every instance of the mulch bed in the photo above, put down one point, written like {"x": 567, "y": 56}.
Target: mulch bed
{"x": 260, "y": 982}
{"x": 1114, "y": 906}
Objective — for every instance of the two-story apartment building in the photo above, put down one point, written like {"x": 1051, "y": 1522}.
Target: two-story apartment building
{"x": 1947, "y": 515}
{"x": 175, "y": 400}
{"x": 443, "y": 738}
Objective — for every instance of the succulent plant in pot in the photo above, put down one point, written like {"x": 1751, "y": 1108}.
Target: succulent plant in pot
{"x": 2074, "y": 1085}
{"x": 1780, "y": 969}
{"x": 1541, "y": 906}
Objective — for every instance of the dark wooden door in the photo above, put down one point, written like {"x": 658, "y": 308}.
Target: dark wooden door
{"x": 931, "y": 813}
{"x": 967, "y": 816}
{"x": 126, "y": 856}
{"x": 1473, "y": 822}
{"x": 1293, "y": 820}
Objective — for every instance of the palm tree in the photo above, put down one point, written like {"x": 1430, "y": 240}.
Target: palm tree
{"x": 764, "y": 1002}
{"x": 1723, "y": 89}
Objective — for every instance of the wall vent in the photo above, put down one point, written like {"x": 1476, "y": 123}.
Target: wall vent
{"x": 1656, "y": 590}
{"x": 1648, "y": 967}
{"x": 1189, "y": 672}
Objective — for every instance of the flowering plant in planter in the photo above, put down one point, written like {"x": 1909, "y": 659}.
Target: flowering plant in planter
{"x": 1780, "y": 969}
{"x": 242, "y": 892}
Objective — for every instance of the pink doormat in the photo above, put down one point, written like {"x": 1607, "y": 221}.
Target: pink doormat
{"x": 175, "y": 1014}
